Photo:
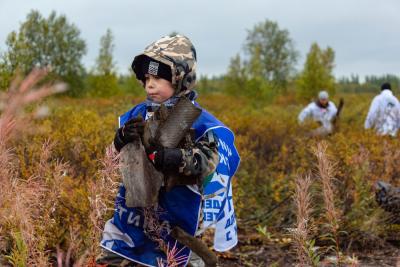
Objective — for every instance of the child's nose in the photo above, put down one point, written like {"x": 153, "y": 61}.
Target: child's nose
{"x": 150, "y": 83}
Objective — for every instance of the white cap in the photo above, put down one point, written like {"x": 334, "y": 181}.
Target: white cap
{"x": 323, "y": 95}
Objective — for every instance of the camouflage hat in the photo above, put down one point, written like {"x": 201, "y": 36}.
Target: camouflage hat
{"x": 179, "y": 54}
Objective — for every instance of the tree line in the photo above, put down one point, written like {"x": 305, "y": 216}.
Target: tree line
{"x": 263, "y": 69}
{"x": 56, "y": 43}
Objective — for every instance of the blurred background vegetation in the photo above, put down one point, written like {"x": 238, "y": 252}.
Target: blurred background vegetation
{"x": 263, "y": 70}
{"x": 259, "y": 98}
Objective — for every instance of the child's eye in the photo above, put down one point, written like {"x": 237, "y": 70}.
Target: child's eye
{"x": 148, "y": 76}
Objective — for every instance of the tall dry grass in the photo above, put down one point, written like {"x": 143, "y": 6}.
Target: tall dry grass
{"x": 102, "y": 192}
{"x": 28, "y": 207}
{"x": 326, "y": 171}
{"x": 25, "y": 204}
{"x": 301, "y": 234}
{"x": 173, "y": 257}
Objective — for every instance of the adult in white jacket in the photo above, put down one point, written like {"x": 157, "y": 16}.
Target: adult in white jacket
{"x": 384, "y": 112}
{"x": 322, "y": 111}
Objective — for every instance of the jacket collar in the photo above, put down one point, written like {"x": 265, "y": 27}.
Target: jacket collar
{"x": 387, "y": 92}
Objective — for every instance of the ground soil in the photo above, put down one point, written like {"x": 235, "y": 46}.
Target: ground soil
{"x": 254, "y": 249}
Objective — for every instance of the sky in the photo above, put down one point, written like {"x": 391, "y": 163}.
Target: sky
{"x": 365, "y": 34}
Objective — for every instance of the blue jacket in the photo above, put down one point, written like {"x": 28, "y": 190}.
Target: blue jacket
{"x": 181, "y": 206}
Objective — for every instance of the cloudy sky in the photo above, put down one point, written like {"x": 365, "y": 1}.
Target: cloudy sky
{"x": 365, "y": 34}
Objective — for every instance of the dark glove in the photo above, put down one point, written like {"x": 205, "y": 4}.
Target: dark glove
{"x": 166, "y": 159}
{"x": 130, "y": 131}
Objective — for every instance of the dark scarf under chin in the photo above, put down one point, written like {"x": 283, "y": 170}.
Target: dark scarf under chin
{"x": 169, "y": 103}
{"x": 321, "y": 106}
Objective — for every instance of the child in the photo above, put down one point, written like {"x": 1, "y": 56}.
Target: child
{"x": 167, "y": 69}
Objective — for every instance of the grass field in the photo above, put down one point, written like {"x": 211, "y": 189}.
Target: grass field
{"x": 59, "y": 167}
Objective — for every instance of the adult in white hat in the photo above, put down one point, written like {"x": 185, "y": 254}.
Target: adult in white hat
{"x": 323, "y": 111}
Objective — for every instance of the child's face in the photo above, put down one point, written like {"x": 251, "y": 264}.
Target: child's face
{"x": 158, "y": 89}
